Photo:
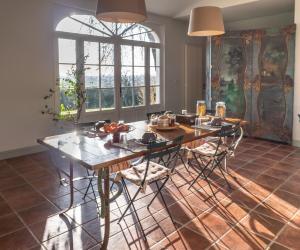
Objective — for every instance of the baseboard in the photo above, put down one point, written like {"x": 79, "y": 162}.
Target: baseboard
{"x": 296, "y": 143}
{"x": 21, "y": 152}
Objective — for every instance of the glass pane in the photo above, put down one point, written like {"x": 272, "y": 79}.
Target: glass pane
{"x": 139, "y": 96}
{"x": 145, "y": 37}
{"x": 66, "y": 76}
{"x": 154, "y": 57}
{"x": 154, "y": 95}
{"x": 107, "y": 98}
{"x": 107, "y": 77}
{"x": 107, "y": 54}
{"x": 72, "y": 26}
{"x": 126, "y": 55}
{"x": 92, "y": 100}
{"x": 123, "y": 28}
{"x": 67, "y": 51}
{"x": 91, "y": 51}
{"x": 126, "y": 77}
{"x": 154, "y": 76}
{"x": 67, "y": 102}
{"x": 139, "y": 56}
{"x": 139, "y": 76}
{"x": 127, "y": 97}
{"x": 92, "y": 77}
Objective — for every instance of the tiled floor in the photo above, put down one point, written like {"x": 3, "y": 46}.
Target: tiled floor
{"x": 261, "y": 212}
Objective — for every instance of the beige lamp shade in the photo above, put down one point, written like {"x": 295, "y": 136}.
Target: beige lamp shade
{"x": 121, "y": 11}
{"x": 206, "y": 21}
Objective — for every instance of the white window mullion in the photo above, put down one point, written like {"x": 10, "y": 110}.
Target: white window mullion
{"x": 133, "y": 79}
{"x": 117, "y": 69}
{"x": 80, "y": 63}
{"x": 147, "y": 77}
{"x": 100, "y": 80}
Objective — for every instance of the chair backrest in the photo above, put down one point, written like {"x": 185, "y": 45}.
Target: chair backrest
{"x": 236, "y": 139}
{"x": 161, "y": 149}
{"x": 229, "y": 131}
{"x": 165, "y": 152}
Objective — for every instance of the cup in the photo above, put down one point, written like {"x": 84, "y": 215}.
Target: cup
{"x": 124, "y": 138}
{"x": 198, "y": 122}
{"x": 153, "y": 120}
{"x": 116, "y": 137}
{"x": 172, "y": 120}
{"x": 184, "y": 112}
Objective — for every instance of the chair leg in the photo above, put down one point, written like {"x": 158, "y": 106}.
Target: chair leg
{"x": 185, "y": 166}
{"x": 201, "y": 173}
{"x": 162, "y": 197}
{"x": 158, "y": 191}
{"x": 228, "y": 184}
{"x": 90, "y": 184}
{"x": 131, "y": 204}
{"x": 225, "y": 164}
{"x": 210, "y": 187}
{"x": 131, "y": 200}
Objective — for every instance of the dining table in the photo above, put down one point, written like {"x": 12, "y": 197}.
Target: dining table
{"x": 97, "y": 153}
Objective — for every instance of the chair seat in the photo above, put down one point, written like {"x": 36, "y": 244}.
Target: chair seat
{"x": 209, "y": 149}
{"x": 211, "y": 139}
{"x": 135, "y": 174}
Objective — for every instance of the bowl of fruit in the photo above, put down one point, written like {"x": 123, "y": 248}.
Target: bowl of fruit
{"x": 116, "y": 129}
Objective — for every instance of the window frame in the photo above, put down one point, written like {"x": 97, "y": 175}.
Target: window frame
{"x": 117, "y": 42}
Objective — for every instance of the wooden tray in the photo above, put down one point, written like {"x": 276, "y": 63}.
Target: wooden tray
{"x": 165, "y": 128}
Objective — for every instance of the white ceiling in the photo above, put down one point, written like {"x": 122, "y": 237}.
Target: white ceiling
{"x": 233, "y": 10}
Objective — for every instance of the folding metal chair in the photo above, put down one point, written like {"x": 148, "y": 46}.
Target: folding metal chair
{"x": 149, "y": 171}
{"x": 211, "y": 155}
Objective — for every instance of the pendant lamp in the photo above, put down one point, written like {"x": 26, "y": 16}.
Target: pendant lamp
{"x": 121, "y": 11}
{"x": 206, "y": 21}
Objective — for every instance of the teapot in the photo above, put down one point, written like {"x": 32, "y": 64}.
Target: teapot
{"x": 148, "y": 137}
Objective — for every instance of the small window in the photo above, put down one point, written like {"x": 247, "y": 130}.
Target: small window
{"x": 154, "y": 76}
{"x": 67, "y": 65}
{"x": 99, "y": 76}
{"x": 133, "y": 85}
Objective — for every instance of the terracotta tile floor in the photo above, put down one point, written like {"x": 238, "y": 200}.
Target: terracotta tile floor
{"x": 262, "y": 211}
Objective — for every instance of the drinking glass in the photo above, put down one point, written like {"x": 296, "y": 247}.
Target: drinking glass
{"x": 198, "y": 122}
{"x": 221, "y": 110}
{"x": 124, "y": 138}
{"x": 172, "y": 120}
{"x": 201, "y": 108}
{"x": 153, "y": 120}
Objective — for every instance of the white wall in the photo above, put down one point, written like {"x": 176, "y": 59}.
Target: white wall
{"x": 279, "y": 20}
{"x": 296, "y": 127}
{"x": 27, "y": 66}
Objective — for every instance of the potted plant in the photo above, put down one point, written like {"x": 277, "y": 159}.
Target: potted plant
{"x": 70, "y": 89}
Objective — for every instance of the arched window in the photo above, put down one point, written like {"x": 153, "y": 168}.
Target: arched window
{"x": 121, "y": 63}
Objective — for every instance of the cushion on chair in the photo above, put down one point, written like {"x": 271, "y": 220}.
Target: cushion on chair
{"x": 211, "y": 139}
{"x": 209, "y": 149}
{"x": 136, "y": 174}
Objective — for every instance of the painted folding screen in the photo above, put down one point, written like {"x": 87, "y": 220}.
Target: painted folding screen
{"x": 253, "y": 72}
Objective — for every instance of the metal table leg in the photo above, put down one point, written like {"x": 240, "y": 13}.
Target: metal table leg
{"x": 71, "y": 189}
{"x": 105, "y": 209}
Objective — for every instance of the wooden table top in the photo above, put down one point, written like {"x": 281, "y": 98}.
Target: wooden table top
{"x": 95, "y": 153}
